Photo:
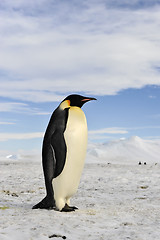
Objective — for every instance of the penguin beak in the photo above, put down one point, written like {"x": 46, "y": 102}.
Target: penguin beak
{"x": 88, "y": 99}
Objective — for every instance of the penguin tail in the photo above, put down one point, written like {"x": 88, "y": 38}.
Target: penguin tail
{"x": 46, "y": 203}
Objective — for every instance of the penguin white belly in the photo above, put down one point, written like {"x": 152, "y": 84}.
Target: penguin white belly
{"x": 66, "y": 184}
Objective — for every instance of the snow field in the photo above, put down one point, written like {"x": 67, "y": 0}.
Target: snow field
{"x": 115, "y": 201}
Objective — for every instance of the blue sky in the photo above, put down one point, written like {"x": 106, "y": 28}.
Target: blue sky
{"x": 103, "y": 48}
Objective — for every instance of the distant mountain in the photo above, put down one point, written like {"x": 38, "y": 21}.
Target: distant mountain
{"x": 132, "y": 150}
{"x": 122, "y": 151}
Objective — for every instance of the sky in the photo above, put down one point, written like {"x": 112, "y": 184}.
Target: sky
{"x": 107, "y": 49}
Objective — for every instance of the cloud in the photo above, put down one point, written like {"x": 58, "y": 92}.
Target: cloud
{"x": 134, "y": 4}
{"x": 113, "y": 130}
{"x": 24, "y": 108}
{"x": 12, "y": 106}
{"x": 106, "y": 133}
{"x": 110, "y": 133}
{"x": 144, "y": 127}
{"x": 20, "y": 136}
{"x": 6, "y": 123}
{"x": 101, "y": 48}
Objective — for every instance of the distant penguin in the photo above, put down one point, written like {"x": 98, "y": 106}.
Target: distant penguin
{"x": 63, "y": 153}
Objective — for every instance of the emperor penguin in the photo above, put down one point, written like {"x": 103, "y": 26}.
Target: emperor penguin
{"x": 63, "y": 153}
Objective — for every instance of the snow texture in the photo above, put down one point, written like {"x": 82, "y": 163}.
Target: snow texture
{"x": 118, "y": 199}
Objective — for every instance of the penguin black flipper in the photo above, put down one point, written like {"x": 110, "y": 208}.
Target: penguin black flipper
{"x": 59, "y": 151}
{"x": 53, "y": 154}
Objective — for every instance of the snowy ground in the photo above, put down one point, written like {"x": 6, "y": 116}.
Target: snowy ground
{"x": 117, "y": 201}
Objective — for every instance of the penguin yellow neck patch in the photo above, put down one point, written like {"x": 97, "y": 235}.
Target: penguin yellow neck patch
{"x": 65, "y": 104}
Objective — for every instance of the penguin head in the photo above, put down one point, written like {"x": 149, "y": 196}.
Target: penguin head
{"x": 75, "y": 100}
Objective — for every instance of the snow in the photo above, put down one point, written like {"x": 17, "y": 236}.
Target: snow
{"x": 118, "y": 199}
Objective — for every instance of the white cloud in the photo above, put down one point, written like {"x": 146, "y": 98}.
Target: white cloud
{"x": 20, "y": 136}
{"x": 12, "y": 106}
{"x": 110, "y": 133}
{"x": 6, "y": 123}
{"x": 20, "y": 108}
{"x": 106, "y": 133}
{"x": 113, "y": 130}
{"x": 96, "y": 49}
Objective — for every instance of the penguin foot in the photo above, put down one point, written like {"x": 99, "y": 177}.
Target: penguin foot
{"x": 68, "y": 208}
{"x": 46, "y": 203}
